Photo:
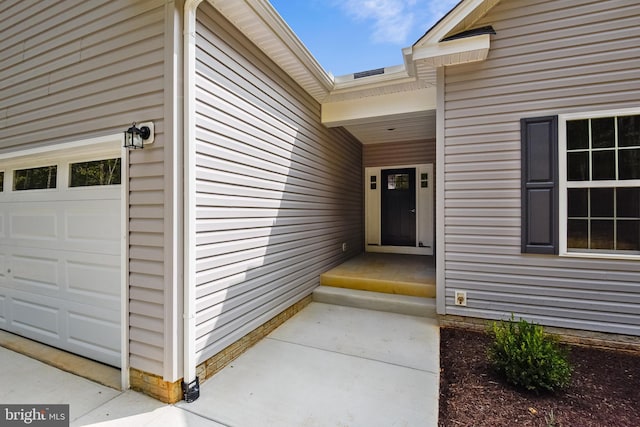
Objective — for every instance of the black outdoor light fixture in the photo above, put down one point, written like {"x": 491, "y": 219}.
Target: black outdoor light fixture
{"x": 135, "y": 137}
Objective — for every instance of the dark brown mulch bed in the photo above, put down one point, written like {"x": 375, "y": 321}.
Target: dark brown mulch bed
{"x": 604, "y": 390}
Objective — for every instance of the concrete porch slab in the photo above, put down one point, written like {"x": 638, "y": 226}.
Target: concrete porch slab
{"x": 385, "y": 337}
{"x": 331, "y": 365}
{"x": 412, "y": 275}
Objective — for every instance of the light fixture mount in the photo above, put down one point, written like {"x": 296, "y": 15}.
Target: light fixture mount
{"x": 136, "y": 136}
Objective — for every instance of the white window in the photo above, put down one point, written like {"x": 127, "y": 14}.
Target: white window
{"x": 600, "y": 183}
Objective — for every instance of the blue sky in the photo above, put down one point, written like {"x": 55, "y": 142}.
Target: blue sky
{"x": 347, "y": 36}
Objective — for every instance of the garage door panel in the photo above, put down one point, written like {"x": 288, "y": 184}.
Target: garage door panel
{"x": 82, "y": 227}
{"x": 91, "y": 278}
{"x": 3, "y": 309}
{"x": 33, "y": 227}
{"x": 60, "y": 264}
{"x": 94, "y": 333}
{"x": 36, "y": 272}
{"x": 95, "y": 280}
{"x": 36, "y": 317}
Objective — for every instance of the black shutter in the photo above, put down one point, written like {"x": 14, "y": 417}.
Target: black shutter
{"x": 539, "y": 137}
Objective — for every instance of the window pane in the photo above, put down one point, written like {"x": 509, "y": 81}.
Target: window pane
{"x": 602, "y": 133}
{"x": 604, "y": 165}
{"x": 578, "y": 202}
{"x": 577, "y": 134}
{"x": 602, "y": 234}
{"x": 1, "y": 181}
{"x": 602, "y": 202}
{"x": 578, "y": 234}
{"x": 628, "y": 202}
{"x": 628, "y": 131}
{"x": 578, "y": 166}
{"x": 629, "y": 164}
{"x": 99, "y": 172}
{"x": 398, "y": 181}
{"x": 628, "y": 235}
{"x": 35, "y": 178}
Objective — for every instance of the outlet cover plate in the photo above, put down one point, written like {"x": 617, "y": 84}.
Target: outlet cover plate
{"x": 461, "y": 298}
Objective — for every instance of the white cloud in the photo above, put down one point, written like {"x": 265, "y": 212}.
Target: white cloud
{"x": 394, "y": 20}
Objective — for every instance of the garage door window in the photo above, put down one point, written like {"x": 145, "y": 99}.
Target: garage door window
{"x": 35, "y": 178}
{"x": 98, "y": 172}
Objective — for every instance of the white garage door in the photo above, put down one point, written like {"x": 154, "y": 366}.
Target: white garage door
{"x": 60, "y": 231}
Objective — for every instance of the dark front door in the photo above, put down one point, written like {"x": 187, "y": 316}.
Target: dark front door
{"x": 399, "y": 207}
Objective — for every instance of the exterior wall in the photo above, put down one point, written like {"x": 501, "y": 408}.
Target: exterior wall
{"x": 74, "y": 70}
{"x": 547, "y": 58}
{"x": 399, "y": 153}
{"x": 277, "y": 192}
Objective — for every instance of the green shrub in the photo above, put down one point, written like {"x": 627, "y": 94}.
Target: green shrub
{"x": 528, "y": 357}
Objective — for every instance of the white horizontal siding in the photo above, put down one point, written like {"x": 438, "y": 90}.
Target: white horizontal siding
{"x": 72, "y": 70}
{"x": 277, "y": 192}
{"x": 547, "y": 58}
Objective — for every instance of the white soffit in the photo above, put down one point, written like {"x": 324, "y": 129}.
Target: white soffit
{"x": 417, "y": 126}
{"x": 259, "y": 21}
{"x": 459, "y": 51}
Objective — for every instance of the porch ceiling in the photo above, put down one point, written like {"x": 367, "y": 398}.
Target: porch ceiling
{"x": 406, "y": 127}
{"x": 397, "y": 112}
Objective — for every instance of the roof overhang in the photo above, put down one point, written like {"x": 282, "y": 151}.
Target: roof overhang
{"x": 404, "y": 94}
{"x": 452, "y": 52}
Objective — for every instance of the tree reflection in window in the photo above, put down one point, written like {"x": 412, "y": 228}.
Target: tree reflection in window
{"x": 98, "y": 172}
{"x": 35, "y": 178}
{"x": 399, "y": 181}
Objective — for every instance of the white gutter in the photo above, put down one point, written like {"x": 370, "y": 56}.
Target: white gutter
{"x": 189, "y": 283}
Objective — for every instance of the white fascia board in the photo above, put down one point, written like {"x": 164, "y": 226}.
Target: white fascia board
{"x": 460, "y": 51}
{"x": 364, "y": 109}
{"x": 392, "y": 76}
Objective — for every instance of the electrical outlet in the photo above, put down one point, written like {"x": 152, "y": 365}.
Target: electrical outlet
{"x": 345, "y": 247}
{"x": 461, "y": 298}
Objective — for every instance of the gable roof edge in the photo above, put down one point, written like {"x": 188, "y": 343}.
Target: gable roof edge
{"x": 455, "y": 20}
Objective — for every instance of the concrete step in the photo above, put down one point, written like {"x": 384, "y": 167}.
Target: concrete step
{"x": 388, "y": 286}
{"x": 402, "y": 304}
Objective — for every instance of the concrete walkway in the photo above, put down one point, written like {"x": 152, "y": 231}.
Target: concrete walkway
{"x": 327, "y": 366}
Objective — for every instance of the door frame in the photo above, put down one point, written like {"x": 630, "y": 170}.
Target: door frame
{"x": 99, "y": 146}
{"x": 425, "y": 241}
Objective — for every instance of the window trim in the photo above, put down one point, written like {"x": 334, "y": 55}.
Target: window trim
{"x": 563, "y": 182}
